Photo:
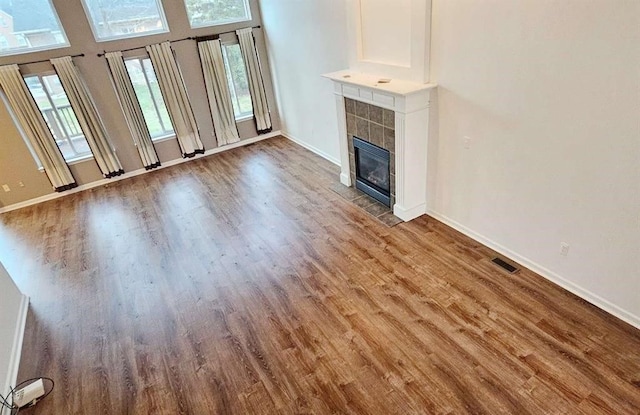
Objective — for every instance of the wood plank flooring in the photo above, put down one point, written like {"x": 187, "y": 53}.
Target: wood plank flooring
{"x": 241, "y": 284}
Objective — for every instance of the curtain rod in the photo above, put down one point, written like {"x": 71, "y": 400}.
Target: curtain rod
{"x": 48, "y": 60}
{"x": 196, "y": 38}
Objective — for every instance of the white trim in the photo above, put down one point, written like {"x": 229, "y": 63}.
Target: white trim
{"x": 407, "y": 214}
{"x": 585, "y": 294}
{"x": 102, "y": 182}
{"x": 163, "y": 138}
{"x": 16, "y": 349}
{"x": 417, "y": 68}
{"x": 77, "y": 160}
{"x": 345, "y": 180}
{"x": 311, "y": 148}
{"x": 222, "y": 23}
{"x": 244, "y": 118}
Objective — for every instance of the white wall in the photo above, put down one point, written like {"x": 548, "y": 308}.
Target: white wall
{"x": 12, "y": 314}
{"x": 392, "y": 42}
{"x": 306, "y": 39}
{"x": 391, "y": 46}
{"x": 549, "y": 93}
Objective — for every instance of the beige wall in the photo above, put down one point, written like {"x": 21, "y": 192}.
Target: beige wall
{"x": 16, "y": 162}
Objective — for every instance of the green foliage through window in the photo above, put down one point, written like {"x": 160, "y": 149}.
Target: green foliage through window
{"x": 154, "y": 110}
{"x": 217, "y": 12}
{"x": 238, "y": 81}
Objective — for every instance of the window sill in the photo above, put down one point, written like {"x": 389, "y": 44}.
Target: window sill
{"x": 163, "y": 138}
{"x": 245, "y": 118}
{"x": 223, "y": 23}
{"x": 130, "y": 35}
{"x": 73, "y": 161}
{"x": 80, "y": 159}
{"x": 22, "y": 51}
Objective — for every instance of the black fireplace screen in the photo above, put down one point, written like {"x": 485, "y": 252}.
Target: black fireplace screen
{"x": 372, "y": 170}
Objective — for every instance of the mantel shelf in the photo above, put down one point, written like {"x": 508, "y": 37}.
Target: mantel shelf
{"x": 395, "y": 86}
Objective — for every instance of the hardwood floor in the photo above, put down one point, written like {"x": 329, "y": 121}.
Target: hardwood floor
{"x": 241, "y": 284}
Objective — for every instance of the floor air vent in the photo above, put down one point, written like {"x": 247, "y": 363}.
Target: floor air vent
{"x": 504, "y": 265}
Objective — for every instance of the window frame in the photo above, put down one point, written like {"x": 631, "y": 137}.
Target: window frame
{"x": 168, "y": 135}
{"x": 63, "y": 45}
{"x": 242, "y": 117}
{"x": 94, "y": 30}
{"x": 73, "y": 160}
{"x": 247, "y": 7}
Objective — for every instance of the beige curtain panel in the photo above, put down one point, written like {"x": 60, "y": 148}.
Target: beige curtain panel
{"x": 256, "y": 83}
{"x": 131, "y": 110}
{"x": 88, "y": 117}
{"x": 35, "y": 129}
{"x": 176, "y": 99}
{"x": 215, "y": 77}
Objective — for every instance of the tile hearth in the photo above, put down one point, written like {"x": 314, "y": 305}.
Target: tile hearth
{"x": 367, "y": 203}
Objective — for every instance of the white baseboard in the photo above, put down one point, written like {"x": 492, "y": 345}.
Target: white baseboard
{"x": 134, "y": 173}
{"x": 345, "y": 180}
{"x": 411, "y": 213}
{"x": 16, "y": 350}
{"x": 544, "y": 272}
{"x": 312, "y": 148}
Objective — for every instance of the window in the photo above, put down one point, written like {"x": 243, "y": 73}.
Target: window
{"x": 148, "y": 92}
{"x": 238, "y": 82}
{"x": 216, "y": 12}
{"x": 116, "y": 19}
{"x": 54, "y": 105}
{"x": 28, "y": 26}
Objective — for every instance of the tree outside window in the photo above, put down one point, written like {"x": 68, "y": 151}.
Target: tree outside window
{"x": 217, "y": 12}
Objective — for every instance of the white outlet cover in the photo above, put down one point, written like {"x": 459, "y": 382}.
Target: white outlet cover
{"x": 467, "y": 142}
{"x": 6, "y": 188}
{"x": 564, "y": 248}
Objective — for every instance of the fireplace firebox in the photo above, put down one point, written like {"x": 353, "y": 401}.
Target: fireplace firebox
{"x": 372, "y": 170}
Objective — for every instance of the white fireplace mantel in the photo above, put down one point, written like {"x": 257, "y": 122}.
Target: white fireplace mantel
{"x": 410, "y": 102}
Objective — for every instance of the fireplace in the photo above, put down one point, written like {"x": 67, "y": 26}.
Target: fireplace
{"x": 392, "y": 114}
{"x": 372, "y": 170}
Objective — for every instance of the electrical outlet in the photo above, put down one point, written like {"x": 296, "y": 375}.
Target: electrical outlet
{"x": 20, "y": 184}
{"x": 467, "y": 142}
{"x": 6, "y": 188}
{"x": 564, "y": 248}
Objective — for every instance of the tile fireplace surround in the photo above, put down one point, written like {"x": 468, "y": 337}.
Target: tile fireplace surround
{"x": 374, "y": 125}
{"x": 409, "y": 102}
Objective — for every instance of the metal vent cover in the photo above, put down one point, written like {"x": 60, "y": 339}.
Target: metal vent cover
{"x": 504, "y": 265}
